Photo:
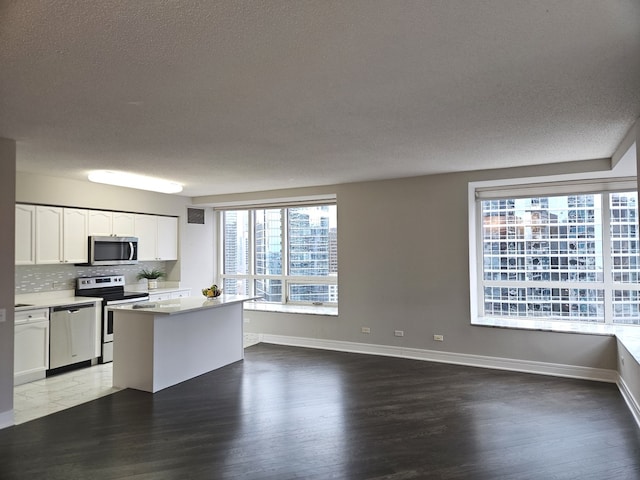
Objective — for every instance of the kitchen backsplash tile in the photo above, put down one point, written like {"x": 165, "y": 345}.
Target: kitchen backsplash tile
{"x": 48, "y": 278}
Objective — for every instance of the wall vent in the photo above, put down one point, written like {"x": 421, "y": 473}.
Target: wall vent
{"x": 195, "y": 215}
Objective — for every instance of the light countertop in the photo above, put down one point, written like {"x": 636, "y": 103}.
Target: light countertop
{"x": 178, "y": 306}
{"x": 51, "y": 299}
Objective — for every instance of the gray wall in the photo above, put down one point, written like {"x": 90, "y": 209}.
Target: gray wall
{"x": 403, "y": 265}
{"x": 7, "y": 260}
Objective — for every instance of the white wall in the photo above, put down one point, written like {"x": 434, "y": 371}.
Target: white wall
{"x": 197, "y": 254}
{"x": 7, "y": 260}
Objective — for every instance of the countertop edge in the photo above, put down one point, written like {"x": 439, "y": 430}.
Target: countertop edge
{"x": 180, "y": 306}
{"x": 48, "y": 303}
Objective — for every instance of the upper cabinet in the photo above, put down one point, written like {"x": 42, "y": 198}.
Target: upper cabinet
{"x": 167, "y": 245}
{"x": 111, "y": 223}
{"x": 25, "y": 234}
{"x": 60, "y": 235}
{"x": 74, "y": 235}
{"x": 157, "y": 237}
{"x": 100, "y": 223}
{"x": 50, "y": 235}
{"x": 123, "y": 224}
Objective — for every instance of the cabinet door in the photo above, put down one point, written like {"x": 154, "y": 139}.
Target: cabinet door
{"x": 100, "y": 223}
{"x": 146, "y": 229}
{"x": 167, "y": 238}
{"x": 31, "y": 354}
{"x": 74, "y": 239}
{"x": 25, "y": 235}
{"x": 123, "y": 224}
{"x": 181, "y": 294}
{"x": 48, "y": 234}
{"x": 156, "y": 297}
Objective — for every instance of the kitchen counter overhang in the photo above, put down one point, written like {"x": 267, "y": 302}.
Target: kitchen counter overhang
{"x": 178, "y": 306}
{"x": 163, "y": 343}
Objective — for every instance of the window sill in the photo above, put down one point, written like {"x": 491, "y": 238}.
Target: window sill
{"x": 628, "y": 335}
{"x": 547, "y": 325}
{"x": 301, "y": 309}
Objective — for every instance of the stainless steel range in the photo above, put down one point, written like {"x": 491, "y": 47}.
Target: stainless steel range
{"x": 111, "y": 289}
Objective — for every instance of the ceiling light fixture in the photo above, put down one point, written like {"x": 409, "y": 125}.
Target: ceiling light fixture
{"x": 131, "y": 180}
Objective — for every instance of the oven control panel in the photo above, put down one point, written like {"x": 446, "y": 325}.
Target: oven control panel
{"x": 98, "y": 282}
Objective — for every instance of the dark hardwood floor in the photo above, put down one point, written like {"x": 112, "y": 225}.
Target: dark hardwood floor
{"x": 289, "y": 412}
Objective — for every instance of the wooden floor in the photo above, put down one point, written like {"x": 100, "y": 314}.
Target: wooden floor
{"x": 289, "y": 412}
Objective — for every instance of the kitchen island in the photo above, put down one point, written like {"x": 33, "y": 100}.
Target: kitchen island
{"x": 159, "y": 344}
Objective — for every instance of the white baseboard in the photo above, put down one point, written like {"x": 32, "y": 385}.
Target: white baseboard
{"x": 497, "y": 363}
{"x": 632, "y": 403}
{"x": 6, "y": 419}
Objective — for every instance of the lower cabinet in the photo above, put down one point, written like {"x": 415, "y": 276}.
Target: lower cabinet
{"x": 31, "y": 350}
{"x": 168, "y": 294}
{"x": 181, "y": 293}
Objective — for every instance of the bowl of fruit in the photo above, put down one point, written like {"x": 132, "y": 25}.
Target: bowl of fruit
{"x": 212, "y": 292}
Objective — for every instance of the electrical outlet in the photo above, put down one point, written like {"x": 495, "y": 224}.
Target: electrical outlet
{"x": 365, "y": 330}
{"x": 622, "y": 360}
{"x": 3, "y": 315}
{"x": 399, "y": 333}
{"x": 438, "y": 338}
{"x": 247, "y": 320}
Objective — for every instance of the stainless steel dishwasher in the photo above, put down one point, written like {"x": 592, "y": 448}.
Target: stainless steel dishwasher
{"x": 72, "y": 334}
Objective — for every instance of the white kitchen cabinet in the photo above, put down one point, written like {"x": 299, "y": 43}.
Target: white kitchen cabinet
{"x": 181, "y": 294}
{"x": 111, "y": 223}
{"x": 146, "y": 229}
{"x": 25, "y": 234}
{"x": 100, "y": 223}
{"x": 157, "y": 237}
{"x": 123, "y": 224}
{"x": 74, "y": 236}
{"x": 51, "y": 235}
{"x": 156, "y": 297}
{"x": 169, "y": 294}
{"x": 48, "y": 236}
{"x": 31, "y": 348}
{"x": 167, "y": 244}
{"x": 61, "y": 235}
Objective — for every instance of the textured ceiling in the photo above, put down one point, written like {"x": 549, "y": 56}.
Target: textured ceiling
{"x": 235, "y": 96}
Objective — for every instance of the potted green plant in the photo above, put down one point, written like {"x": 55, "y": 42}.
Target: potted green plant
{"x": 151, "y": 275}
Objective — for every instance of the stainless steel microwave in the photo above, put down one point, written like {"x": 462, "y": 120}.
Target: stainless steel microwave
{"x": 112, "y": 250}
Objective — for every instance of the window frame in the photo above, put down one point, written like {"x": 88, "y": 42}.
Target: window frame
{"x": 284, "y": 277}
{"x": 507, "y": 189}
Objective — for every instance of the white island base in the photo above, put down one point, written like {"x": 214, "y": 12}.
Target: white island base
{"x": 171, "y": 341}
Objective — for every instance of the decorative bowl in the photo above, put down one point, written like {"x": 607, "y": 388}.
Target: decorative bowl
{"x": 212, "y": 292}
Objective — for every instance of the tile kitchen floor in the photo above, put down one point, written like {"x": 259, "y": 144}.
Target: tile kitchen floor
{"x": 42, "y": 397}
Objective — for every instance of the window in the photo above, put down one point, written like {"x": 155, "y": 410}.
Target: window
{"x": 571, "y": 257}
{"x": 284, "y": 255}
